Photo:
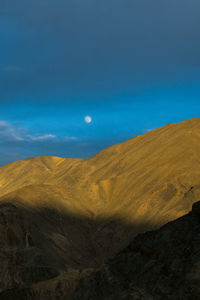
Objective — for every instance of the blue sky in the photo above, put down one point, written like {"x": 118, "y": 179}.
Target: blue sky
{"x": 132, "y": 65}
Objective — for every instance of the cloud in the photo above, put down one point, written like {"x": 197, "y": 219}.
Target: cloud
{"x": 70, "y": 49}
{"x": 41, "y": 137}
{"x": 18, "y": 143}
{"x": 11, "y": 68}
{"x": 3, "y": 124}
{"x": 70, "y": 138}
{"x": 147, "y": 130}
{"x": 10, "y": 132}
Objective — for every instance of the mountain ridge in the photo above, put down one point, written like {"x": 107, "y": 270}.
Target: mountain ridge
{"x": 168, "y": 151}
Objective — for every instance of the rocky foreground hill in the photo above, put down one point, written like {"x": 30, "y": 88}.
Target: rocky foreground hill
{"x": 159, "y": 264}
{"x": 63, "y": 219}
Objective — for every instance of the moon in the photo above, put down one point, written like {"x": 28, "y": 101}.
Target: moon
{"x": 88, "y": 119}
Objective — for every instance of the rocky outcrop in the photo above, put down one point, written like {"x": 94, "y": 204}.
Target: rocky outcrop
{"x": 23, "y": 262}
{"x": 160, "y": 264}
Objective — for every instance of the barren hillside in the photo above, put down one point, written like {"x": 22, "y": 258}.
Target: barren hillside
{"x": 146, "y": 177}
{"x": 60, "y": 214}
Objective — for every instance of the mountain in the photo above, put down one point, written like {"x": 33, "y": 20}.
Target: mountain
{"x": 62, "y": 217}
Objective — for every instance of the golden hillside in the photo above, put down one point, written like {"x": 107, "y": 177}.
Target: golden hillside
{"x": 61, "y": 214}
{"x": 147, "y": 178}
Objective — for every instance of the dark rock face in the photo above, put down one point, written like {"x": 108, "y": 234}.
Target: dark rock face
{"x": 22, "y": 262}
{"x": 161, "y": 264}
{"x": 42, "y": 248}
{"x": 157, "y": 265}
{"x": 196, "y": 208}
{"x": 23, "y": 294}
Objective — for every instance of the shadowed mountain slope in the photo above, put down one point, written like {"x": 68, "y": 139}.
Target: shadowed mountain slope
{"x": 157, "y": 265}
{"x": 38, "y": 244}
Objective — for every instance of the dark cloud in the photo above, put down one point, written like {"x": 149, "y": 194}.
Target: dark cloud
{"x": 86, "y": 48}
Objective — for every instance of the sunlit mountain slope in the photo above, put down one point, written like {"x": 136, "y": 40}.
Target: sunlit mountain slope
{"x": 149, "y": 177}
